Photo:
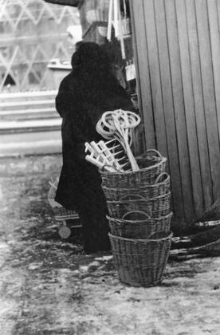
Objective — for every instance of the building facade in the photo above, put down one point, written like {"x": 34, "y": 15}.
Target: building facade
{"x": 32, "y": 32}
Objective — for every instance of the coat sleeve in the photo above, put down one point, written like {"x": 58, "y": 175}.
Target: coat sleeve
{"x": 68, "y": 106}
{"x": 121, "y": 99}
{"x": 73, "y": 139}
{"x": 62, "y": 100}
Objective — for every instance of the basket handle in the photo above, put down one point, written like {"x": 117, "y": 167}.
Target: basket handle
{"x": 134, "y": 197}
{"x": 140, "y": 212}
{"x": 51, "y": 183}
{"x": 157, "y": 152}
{"x": 161, "y": 175}
{"x": 148, "y": 151}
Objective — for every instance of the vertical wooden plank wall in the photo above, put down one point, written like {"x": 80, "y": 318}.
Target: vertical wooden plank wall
{"x": 178, "y": 101}
{"x": 178, "y": 60}
{"x": 142, "y": 65}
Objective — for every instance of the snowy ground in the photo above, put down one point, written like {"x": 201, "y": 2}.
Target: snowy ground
{"x": 49, "y": 286}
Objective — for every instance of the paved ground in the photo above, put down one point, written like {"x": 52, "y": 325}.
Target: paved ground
{"x": 49, "y": 286}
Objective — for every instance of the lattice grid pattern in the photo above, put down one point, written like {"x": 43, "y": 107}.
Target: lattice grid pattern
{"x": 32, "y": 32}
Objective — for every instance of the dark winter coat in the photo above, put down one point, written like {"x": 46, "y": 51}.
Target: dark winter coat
{"x": 84, "y": 95}
{"x": 81, "y": 105}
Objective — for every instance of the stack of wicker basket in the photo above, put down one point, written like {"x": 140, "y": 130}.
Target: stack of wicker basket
{"x": 139, "y": 220}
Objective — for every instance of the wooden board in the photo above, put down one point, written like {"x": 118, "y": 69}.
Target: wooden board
{"x": 208, "y": 92}
{"x": 179, "y": 108}
{"x": 168, "y": 107}
{"x": 189, "y": 107}
{"x": 144, "y": 79}
{"x": 199, "y": 109}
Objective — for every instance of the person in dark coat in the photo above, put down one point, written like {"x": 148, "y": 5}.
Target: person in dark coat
{"x": 84, "y": 95}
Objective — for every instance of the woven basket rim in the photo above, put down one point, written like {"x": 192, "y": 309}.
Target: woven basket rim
{"x": 139, "y": 200}
{"x": 161, "y": 161}
{"x": 133, "y": 172}
{"x": 137, "y": 240}
{"x": 121, "y": 189}
{"x": 140, "y": 221}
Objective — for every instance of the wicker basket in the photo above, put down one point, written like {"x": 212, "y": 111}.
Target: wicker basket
{"x": 154, "y": 207}
{"x": 51, "y": 195}
{"x": 142, "y": 228}
{"x": 140, "y": 262}
{"x": 63, "y": 214}
{"x": 150, "y": 168}
{"x": 60, "y": 213}
{"x": 161, "y": 186}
